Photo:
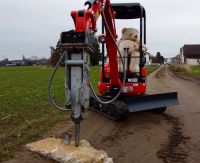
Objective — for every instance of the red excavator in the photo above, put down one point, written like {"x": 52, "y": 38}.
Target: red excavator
{"x": 121, "y": 93}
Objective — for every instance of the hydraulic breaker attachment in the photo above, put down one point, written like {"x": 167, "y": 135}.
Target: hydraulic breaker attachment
{"x": 76, "y": 48}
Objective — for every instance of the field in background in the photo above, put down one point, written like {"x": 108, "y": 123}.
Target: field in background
{"x": 24, "y": 110}
{"x": 186, "y": 71}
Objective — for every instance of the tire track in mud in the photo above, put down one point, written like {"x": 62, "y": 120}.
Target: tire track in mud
{"x": 117, "y": 135}
{"x": 161, "y": 73}
{"x": 175, "y": 149}
{"x": 114, "y": 140}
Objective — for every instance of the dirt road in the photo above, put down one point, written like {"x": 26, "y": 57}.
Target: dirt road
{"x": 145, "y": 137}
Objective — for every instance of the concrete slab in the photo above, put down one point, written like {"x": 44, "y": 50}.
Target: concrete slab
{"x": 66, "y": 152}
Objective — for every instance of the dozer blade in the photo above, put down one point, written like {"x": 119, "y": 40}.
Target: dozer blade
{"x": 148, "y": 102}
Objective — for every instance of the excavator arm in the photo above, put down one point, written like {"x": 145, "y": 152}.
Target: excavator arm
{"x": 86, "y": 20}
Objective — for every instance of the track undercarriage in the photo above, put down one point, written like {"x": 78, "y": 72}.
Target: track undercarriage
{"x": 121, "y": 108}
{"x": 117, "y": 110}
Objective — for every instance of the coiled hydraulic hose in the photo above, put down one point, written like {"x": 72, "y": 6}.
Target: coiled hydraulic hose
{"x": 124, "y": 75}
{"x": 51, "y": 100}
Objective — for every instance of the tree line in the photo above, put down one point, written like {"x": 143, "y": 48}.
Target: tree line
{"x": 158, "y": 58}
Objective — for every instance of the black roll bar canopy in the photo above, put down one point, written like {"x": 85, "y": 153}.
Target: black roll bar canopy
{"x": 132, "y": 11}
{"x": 128, "y": 10}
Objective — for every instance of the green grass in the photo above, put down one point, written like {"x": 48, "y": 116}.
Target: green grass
{"x": 186, "y": 71}
{"x": 95, "y": 76}
{"x": 24, "y": 110}
{"x": 151, "y": 68}
{"x": 25, "y": 113}
{"x": 195, "y": 70}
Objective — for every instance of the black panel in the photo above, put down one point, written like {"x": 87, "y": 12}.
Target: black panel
{"x": 81, "y": 13}
{"x": 128, "y": 10}
{"x": 72, "y": 37}
{"x": 79, "y": 39}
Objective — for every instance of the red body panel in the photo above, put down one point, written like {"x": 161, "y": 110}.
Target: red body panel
{"x": 88, "y": 21}
{"x": 130, "y": 88}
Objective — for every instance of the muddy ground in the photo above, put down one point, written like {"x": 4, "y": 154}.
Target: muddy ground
{"x": 173, "y": 137}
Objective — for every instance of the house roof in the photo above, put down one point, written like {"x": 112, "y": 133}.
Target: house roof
{"x": 192, "y": 51}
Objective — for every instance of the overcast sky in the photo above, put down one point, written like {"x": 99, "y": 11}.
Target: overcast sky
{"x": 29, "y": 27}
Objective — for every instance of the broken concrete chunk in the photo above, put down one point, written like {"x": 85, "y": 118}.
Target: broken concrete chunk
{"x": 58, "y": 150}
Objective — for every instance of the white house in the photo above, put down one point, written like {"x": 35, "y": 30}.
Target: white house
{"x": 167, "y": 61}
{"x": 148, "y": 59}
{"x": 176, "y": 60}
{"x": 190, "y": 54}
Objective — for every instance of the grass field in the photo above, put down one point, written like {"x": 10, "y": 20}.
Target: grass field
{"x": 150, "y": 69}
{"x": 186, "y": 70}
{"x": 24, "y": 110}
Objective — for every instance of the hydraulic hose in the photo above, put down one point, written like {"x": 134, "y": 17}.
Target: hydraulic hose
{"x": 51, "y": 100}
{"x": 124, "y": 75}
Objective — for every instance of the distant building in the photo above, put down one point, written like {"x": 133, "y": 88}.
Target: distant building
{"x": 167, "y": 61}
{"x": 176, "y": 60}
{"x": 16, "y": 63}
{"x": 190, "y": 54}
{"x": 42, "y": 61}
{"x": 4, "y": 62}
{"x": 148, "y": 59}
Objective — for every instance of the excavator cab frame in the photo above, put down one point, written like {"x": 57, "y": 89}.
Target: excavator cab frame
{"x": 127, "y": 11}
{"x": 133, "y": 11}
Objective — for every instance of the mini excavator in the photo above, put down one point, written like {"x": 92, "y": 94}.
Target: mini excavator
{"x": 121, "y": 93}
